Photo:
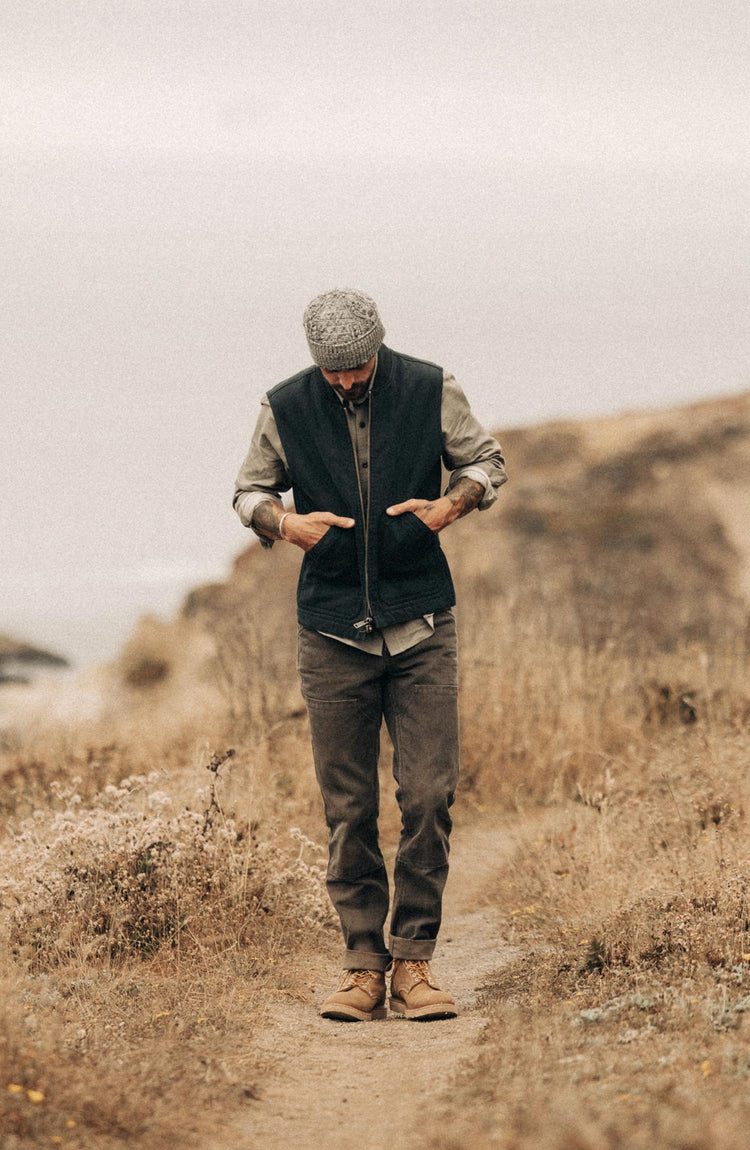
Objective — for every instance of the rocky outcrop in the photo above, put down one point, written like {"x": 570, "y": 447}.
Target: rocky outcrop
{"x": 19, "y": 660}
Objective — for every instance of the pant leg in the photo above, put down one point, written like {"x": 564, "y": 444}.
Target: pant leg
{"x": 421, "y": 708}
{"x": 342, "y": 690}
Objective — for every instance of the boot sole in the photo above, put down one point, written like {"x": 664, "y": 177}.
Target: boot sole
{"x": 423, "y": 1013}
{"x": 351, "y": 1014}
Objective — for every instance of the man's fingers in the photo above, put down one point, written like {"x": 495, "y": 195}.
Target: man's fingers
{"x": 336, "y": 520}
{"x": 409, "y": 505}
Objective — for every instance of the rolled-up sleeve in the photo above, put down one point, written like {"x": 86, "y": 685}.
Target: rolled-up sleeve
{"x": 468, "y": 450}
{"x": 264, "y": 473}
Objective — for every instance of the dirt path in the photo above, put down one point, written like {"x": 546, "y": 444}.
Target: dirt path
{"x": 371, "y": 1085}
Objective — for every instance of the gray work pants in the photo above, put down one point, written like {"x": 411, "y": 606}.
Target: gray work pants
{"x": 348, "y": 693}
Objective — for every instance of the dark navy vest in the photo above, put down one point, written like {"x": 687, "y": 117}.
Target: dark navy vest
{"x": 407, "y": 571}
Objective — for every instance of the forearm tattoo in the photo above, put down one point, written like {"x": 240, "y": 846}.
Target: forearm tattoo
{"x": 465, "y": 495}
{"x": 266, "y": 519}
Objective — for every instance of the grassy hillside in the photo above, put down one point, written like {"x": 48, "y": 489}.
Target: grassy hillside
{"x": 604, "y": 627}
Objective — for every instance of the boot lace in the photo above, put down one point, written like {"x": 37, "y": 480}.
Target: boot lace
{"x": 420, "y": 969}
{"x": 361, "y": 978}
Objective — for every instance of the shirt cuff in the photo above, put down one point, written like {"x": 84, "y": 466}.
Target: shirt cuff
{"x": 479, "y": 476}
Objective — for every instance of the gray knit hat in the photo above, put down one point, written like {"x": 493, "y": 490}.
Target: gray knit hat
{"x": 343, "y": 329}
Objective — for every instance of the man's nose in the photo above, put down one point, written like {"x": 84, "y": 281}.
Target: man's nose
{"x": 347, "y": 380}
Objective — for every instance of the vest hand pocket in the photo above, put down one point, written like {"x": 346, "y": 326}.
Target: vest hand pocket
{"x": 334, "y": 556}
{"x": 406, "y": 543}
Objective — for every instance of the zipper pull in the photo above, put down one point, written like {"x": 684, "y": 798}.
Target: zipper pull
{"x": 365, "y": 627}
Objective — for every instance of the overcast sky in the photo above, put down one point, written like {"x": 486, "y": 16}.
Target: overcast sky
{"x": 547, "y": 196}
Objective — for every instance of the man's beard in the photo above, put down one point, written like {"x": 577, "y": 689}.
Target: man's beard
{"x": 356, "y": 392}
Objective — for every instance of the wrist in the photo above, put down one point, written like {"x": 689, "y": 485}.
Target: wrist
{"x": 452, "y": 509}
{"x": 464, "y": 497}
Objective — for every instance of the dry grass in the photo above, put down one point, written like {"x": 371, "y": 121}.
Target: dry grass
{"x": 115, "y": 1054}
{"x": 142, "y": 937}
{"x": 623, "y": 1023}
{"x": 544, "y": 719}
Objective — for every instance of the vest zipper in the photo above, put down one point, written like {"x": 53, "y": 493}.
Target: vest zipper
{"x": 365, "y": 626}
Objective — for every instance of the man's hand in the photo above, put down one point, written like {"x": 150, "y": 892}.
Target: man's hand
{"x": 436, "y": 514}
{"x": 302, "y": 530}
{"x": 307, "y": 530}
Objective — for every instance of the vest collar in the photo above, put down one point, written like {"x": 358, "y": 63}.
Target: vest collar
{"x": 380, "y": 380}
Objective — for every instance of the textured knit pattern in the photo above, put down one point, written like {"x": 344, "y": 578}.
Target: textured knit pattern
{"x": 343, "y": 329}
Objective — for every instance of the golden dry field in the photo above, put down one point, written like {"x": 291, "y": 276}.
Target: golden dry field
{"x": 165, "y": 925}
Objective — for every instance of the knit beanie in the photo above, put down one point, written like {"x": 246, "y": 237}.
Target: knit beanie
{"x": 343, "y": 329}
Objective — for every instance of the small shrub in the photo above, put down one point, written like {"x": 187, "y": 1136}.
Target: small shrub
{"x": 145, "y": 671}
{"x": 116, "y": 883}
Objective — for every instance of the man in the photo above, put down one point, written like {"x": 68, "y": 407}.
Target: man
{"x": 359, "y": 437}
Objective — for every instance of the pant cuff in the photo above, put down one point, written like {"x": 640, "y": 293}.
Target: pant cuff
{"x": 415, "y": 949}
{"x": 365, "y": 960}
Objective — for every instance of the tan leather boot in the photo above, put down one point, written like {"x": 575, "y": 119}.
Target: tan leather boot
{"x": 416, "y": 994}
{"x": 359, "y": 998}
